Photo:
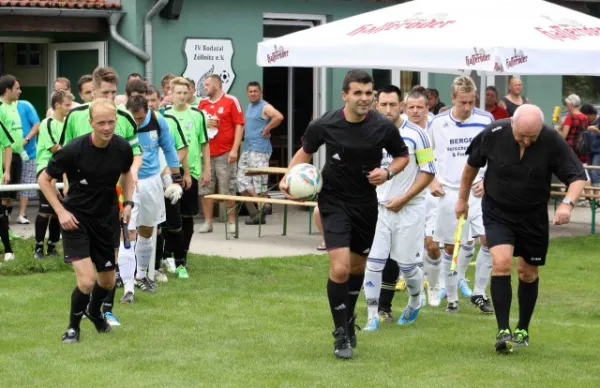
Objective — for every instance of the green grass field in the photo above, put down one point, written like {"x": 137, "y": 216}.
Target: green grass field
{"x": 266, "y": 323}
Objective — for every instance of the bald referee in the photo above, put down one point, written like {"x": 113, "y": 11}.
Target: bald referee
{"x": 521, "y": 155}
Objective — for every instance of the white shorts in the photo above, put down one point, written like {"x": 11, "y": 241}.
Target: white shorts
{"x": 431, "y": 204}
{"x": 446, "y": 221}
{"x": 149, "y": 209}
{"x": 400, "y": 235}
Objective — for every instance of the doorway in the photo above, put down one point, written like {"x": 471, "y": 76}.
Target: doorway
{"x": 298, "y": 93}
{"x": 72, "y": 60}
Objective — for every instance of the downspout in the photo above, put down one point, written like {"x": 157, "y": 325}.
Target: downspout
{"x": 113, "y": 21}
{"x": 160, "y": 4}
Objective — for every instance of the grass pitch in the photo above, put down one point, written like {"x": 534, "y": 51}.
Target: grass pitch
{"x": 266, "y": 323}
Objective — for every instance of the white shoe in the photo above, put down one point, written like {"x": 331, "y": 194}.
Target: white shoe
{"x": 23, "y": 219}
{"x": 9, "y": 256}
{"x": 160, "y": 276}
{"x": 205, "y": 228}
{"x": 170, "y": 264}
{"x": 433, "y": 295}
{"x": 231, "y": 228}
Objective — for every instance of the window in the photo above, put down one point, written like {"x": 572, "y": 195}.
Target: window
{"x": 28, "y": 55}
{"x": 382, "y": 78}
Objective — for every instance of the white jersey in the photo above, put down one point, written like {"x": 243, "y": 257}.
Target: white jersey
{"x": 420, "y": 158}
{"x": 450, "y": 139}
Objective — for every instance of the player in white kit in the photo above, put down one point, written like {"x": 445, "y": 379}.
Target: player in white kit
{"x": 401, "y": 218}
{"x": 451, "y": 134}
{"x": 417, "y": 113}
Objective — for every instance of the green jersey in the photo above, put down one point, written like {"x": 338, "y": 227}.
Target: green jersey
{"x": 192, "y": 124}
{"x": 6, "y": 140}
{"x": 49, "y": 136}
{"x": 78, "y": 124}
{"x": 9, "y": 115}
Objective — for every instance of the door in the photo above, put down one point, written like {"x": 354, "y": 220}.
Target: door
{"x": 72, "y": 60}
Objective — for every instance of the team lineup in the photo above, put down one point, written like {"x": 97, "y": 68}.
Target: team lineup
{"x": 404, "y": 195}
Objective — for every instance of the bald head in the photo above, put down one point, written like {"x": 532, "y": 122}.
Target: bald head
{"x": 515, "y": 86}
{"x": 527, "y": 123}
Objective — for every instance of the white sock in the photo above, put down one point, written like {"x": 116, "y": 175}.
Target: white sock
{"x": 143, "y": 253}
{"x": 414, "y": 283}
{"x": 451, "y": 281}
{"x": 372, "y": 284}
{"x": 483, "y": 270}
{"x": 127, "y": 266}
{"x": 464, "y": 259}
{"x": 433, "y": 269}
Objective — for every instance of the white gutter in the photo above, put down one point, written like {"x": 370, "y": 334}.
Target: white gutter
{"x": 149, "y": 70}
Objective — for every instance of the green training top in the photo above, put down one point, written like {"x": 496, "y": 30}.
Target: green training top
{"x": 6, "y": 140}
{"x": 9, "y": 115}
{"x": 78, "y": 124}
{"x": 50, "y": 131}
{"x": 192, "y": 123}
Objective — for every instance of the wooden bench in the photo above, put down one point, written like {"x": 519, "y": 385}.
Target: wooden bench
{"x": 560, "y": 190}
{"x": 239, "y": 200}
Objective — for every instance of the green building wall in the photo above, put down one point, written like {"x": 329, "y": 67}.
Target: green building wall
{"x": 242, "y": 21}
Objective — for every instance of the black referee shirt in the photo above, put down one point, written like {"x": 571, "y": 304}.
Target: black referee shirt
{"x": 352, "y": 149}
{"x": 522, "y": 185}
{"x": 92, "y": 172}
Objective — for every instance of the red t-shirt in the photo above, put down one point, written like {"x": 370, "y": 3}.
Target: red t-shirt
{"x": 229, "y": 111}
{"x": 499, "y": 113}
{"x": 577, "y": 123}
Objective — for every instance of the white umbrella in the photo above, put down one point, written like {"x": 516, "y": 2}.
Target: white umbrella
{"x": 525, "y": 37}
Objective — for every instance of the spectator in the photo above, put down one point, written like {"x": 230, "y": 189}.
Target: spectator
{"x": 30, "y": 122}
{"x": 433, "y": 98}
{"x": 514, "y": 98}
{"x": 225, "y": 128}
{"x": 594, "y": 137}
{"x": 573, "y": 127}
{"x": 491, "y": 104}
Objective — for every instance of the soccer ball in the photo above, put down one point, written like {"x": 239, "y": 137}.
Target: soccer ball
{"x": 304, "y": 181}
{"x": 225, "y": 77}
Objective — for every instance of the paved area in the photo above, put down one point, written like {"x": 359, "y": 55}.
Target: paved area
{"x": 298, "y": 241}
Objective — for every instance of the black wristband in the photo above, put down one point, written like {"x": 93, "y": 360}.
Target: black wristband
{"x": 177, "y": 178}
{"x": 125, "y": 203}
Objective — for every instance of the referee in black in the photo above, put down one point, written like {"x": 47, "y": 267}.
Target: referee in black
{"x": 88, "y": 215}
{"x": 521, "y": 154}
{"x": 355, "y": 137}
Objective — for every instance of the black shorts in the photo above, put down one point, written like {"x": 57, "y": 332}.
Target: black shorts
{"x": 527, "y": 232}
{"x": 44, "y": 205}
{"x": 16, "y": 167}
{"x": 95, "y": 238}
{"x": 173, "y": 215}
{"x": 348, "y": 225}
{"x": 189, "y": 202}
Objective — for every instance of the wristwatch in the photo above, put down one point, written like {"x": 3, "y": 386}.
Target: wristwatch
{"x": 568, "y": 202}
{"x": 131, "y": 203}
{"x": 390, "y": 175}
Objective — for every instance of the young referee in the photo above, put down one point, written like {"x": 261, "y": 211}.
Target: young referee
{"x": 355, "y": 138}
{"x": 94, "y": 163}
{"x": 521, "y": 155}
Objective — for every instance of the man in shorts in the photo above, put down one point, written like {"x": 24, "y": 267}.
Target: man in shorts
{"x": 149, "y": 209}
{"x": 94, "y": 164}
{"x": 196, "y": 166}
{"x": 355, "y": 137}
{"x": 261, "y": 117}
{"x": 225, "y": 128}
{"x": 50, "y": 130}
{"x": 522, "y": 154}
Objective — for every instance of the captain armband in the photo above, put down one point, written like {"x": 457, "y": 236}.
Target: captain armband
{"x": 424, "y": 156}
